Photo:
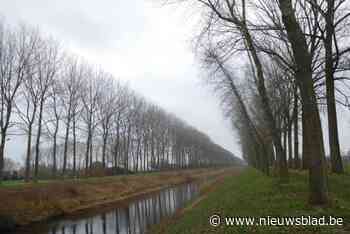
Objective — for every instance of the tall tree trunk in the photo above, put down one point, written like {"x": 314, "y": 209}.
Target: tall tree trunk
{"x": 262, "y": 157}
{"x": 313, "y": 131}
{"x": 290, "y": 148}
{"x": 285, "y": 143}
{"x": 65, "y": 150}
{"x": 54, "y": 153}
{"x": 306, "y": 156}
{"x": 127, "y": 148}
{"x": 336, "y": 160}
{"x": 138, "y": 150}
{"x": 158, "y": 154}
{"x": 37, "y": 145}
{"x": 87, "y": 151}
{"x": 152, "y": 150}
{"x": 91, "y": 152}
{"x": 168, "y": 158}
{"x": 5, "y": 121}
{"x": 116, "y": 150}
{"x": 28, "y": 154}
{"x": 163, "y": 154}
{"x": 74, "y": 146}
{"x": 144, "y": 153}
{"x": 2, "y": 152}
{"x": 276, "y": 136}
{"x": 104, "y": 147}
{"x": 296, "y": 131}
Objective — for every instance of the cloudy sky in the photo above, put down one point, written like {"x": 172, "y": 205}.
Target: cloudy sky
{"x": 145, "y": 44}
{"x": 141, "y": 42}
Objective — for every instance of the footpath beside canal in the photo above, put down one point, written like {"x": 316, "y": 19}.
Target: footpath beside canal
{"x": 28, "y": 203}
{"x": 245, "y": 203}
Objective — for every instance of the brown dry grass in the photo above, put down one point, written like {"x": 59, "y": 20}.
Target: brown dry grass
{"x": 33, "y": 202}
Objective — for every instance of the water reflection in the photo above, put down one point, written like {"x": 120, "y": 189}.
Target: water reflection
{"x": 133, "y": 219}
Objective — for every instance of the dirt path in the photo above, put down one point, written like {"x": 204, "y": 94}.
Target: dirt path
{"x": 38, "y": 202}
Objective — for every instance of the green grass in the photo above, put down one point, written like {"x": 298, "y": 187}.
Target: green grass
{"x": 11, "y": 183}
{"x": 253, "y": 194}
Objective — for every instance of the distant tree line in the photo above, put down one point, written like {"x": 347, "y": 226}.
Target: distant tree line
{"x": 275, "y": 65}
{"x": 76, "y": 117}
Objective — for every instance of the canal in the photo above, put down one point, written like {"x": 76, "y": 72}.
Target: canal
{"x": 134, "y": 217}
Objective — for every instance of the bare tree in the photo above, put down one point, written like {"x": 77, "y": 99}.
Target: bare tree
{"x": 16, "y": 51}
{"x": 82, "y": 115}
{"x": 55, "y": 109}
{"x": 107, "y": 108}
{"x": 335, "y": 24}
{"x": 304, "y": 79}
{"x": 27, "y": 107}
{"x": 47, "y": 62}
{"x": 230, "y": 17}
{"x": 71, "y": 95}
{"x": 92, "y": 93}
{"x": 234, "y": 104}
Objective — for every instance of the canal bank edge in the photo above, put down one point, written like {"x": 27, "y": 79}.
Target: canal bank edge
{"x": 36, "y": 203}
{"x": 204, "y": 189}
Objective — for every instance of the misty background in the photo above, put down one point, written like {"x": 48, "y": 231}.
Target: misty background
{"x": 145, "y": 44}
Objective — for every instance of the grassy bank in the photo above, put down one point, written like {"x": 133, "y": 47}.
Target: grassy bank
{"x": 26, "y": 203}
{"x": 253, "y": 194}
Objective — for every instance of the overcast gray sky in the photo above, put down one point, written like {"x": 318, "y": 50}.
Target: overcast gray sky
{"x": 145, "y": 44}
{"x": 138, "y": 41}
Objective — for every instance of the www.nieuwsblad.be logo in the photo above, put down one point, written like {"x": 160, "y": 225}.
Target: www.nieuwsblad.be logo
{"x": 215, "y": 221}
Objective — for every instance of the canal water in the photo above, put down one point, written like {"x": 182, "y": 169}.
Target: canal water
{"x": 133, "y": 218}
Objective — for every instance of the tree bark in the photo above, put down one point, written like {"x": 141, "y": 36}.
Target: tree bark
{"x": 127, "y": 148}
{"x": 54, "y": 153}
{"x": 314, "y": 138}
{"x": 74, "y": 146}
{"x": 290, "y": 148}
{"x": 296, "y": 131}
{"x": 37, "y": 145}
{"x": 2, "y": 150}
{"x": 5, "y": 121}
{"x": 116, "y": 149}
{"x": 336, "y": 160}
{"x": 262, "y": 159}
{"x": 87, "y": 151}
{"x": 28, "y": 154}
{"x": 276, "y": 136}
{"x": 65, "y": 150}
{"x": 306, "y": 156}
{"x": 104, "y": 145}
